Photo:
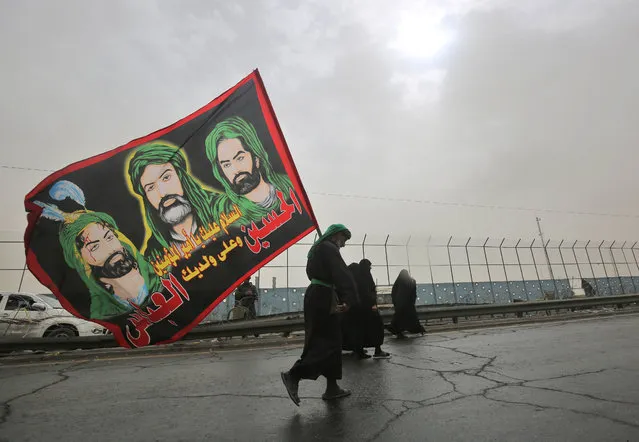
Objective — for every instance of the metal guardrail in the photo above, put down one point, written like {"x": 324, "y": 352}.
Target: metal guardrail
{"x": 525, "y": 307}
{"x": 295, "y": 322}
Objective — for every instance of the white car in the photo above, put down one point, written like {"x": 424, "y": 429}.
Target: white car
{"x": 25, "y": 315}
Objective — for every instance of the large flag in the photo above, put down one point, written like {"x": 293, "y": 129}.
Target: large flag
{"x": 148, "y": 238}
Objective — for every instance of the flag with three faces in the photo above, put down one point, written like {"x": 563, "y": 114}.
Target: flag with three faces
{"x": 148, "y": 238}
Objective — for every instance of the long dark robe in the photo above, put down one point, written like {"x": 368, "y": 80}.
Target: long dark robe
{"x": 353, "y": 333}
{"x": 404, "y": 295}
{"x": 322, "y": 354}
{"x": 363, "y": 327}
{"x": 372, "y": 320}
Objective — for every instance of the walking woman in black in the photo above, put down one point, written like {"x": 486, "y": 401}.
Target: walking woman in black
{"x": 322, "y": 354}
{"x": 404, "y": 295}
{"x": 363, "y": 326}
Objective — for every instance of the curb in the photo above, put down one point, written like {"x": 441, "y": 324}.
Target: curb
{"x": 210, "y": 345}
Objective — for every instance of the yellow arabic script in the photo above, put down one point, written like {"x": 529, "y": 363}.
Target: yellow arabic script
{"x": 205, "y": 234}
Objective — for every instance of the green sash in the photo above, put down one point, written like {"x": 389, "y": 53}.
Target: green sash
{"x": 322, "y": 283}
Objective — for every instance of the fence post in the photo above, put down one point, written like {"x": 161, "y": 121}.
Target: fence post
{"x": 603, "y": 263}
{"x": 632, "y": 279}
{"x": 592, "y": 269}
{"x": 430, "y": 269}
{"x": 632, "y": 249}
{"x": 490, "y": 279}
{"x": 24, "y": 270}
{"x": 541, "y": 288}
{"x": 408, "y": 254}
{"x": 503, "y": 263}
{"x": 521, "y": 270}
{"x": 552, "y": 274}
{"x": 470, "y": 270}
{"x": 363, "y": 250}
{"x": 259, "y": 299}
{"x": 386, "y": 253}
{"x": 563, "y": 263}
{"x": 288, "y": 290}
{"x": 614, "y": 264}
{"x": 450, "y": 264}
{"x": 625, "y": 258}
{"x": 577, "y": 261}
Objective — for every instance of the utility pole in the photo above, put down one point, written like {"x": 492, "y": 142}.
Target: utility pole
{"x": 543, "y": 243}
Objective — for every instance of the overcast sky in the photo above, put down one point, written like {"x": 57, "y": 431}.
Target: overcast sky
{"x": 527, "y": 103}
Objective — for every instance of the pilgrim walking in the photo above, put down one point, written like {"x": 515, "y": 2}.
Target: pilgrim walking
{"x": 353, "y": 331}
{"x": 363, "y": 326}
{"x": 373, "y": 323}
{"x": 322, "y": 353}
{"x": 404, "y": 295}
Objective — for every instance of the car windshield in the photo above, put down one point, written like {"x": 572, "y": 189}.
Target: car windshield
{"x": 51, "y": 300}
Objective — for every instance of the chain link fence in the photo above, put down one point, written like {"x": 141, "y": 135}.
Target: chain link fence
{"x": 448, "y": 270}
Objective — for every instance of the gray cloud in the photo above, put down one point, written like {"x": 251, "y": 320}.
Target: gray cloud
{"x": 531, "y": 105}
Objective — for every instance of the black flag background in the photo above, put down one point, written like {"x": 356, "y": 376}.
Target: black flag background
{"x": 148, "y": 238}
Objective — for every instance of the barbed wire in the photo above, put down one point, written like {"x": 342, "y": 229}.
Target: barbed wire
{"x": 6, "y": 166}
{"x": 475, "y": 206}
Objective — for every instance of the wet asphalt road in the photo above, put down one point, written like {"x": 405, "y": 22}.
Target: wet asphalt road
{"x": 565, "y": 381}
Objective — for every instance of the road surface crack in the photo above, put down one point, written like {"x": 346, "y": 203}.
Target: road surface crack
{"x": 456, "y": 350}
{"x": 449, "y": 382}
{"x": 389, "y": 422}
{"x": 583, "y": 395}
{"x": 63, "y": 376}
{"x": 549, "y": 407}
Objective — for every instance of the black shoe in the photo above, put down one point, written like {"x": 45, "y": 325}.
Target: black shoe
{"x": 291, "y": 387}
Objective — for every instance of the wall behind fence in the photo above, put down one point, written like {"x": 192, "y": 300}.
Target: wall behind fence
{"x": 448, "y": 270}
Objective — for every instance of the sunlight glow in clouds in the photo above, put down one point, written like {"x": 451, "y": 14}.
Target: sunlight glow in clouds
{"x": 420, "y": 34}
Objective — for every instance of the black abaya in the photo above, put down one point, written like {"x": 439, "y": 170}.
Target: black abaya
{"x": 404, "y": 295}
{"x": 351, "y": 321}
{"x": 363, "y": 326}
{"x": 322, "y": 354}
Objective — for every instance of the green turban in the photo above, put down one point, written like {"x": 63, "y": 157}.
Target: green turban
{"x": 162, "y": 152}
{"x": 103, "y": 303}
{"x": 238, "y": 128}
{"x": 332, "y": 230}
